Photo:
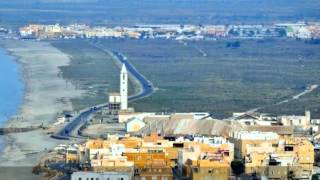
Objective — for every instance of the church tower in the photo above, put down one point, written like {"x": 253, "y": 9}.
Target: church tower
{"x": 124, "y": 88}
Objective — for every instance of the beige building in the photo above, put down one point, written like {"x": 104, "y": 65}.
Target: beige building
{"x": 206, "y": 158}
{"x": 297, "y": 121}
{"x": 246, "y": 142}
{"x": 268, "y": 154}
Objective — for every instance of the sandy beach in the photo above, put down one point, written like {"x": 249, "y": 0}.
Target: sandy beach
{"x": 47, "y": 95}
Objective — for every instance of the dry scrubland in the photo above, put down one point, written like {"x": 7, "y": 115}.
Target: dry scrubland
{"x": 73, "y": 75}
{"x": 258, "y": 73}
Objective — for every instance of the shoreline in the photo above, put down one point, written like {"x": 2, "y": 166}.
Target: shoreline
{"x": 5, "y": 140}
{"x": 45, "y": 95}
{"x": 22, "y": 74}
{"x": 21, "y": 79}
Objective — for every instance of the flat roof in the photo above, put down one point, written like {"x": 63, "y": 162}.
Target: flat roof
{"x": 114, "y": 94}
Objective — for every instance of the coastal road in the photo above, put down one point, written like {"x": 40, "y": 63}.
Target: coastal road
{"x": 71, "y": 129}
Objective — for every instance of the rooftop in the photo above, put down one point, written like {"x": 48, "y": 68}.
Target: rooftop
{"x": 281, "y": 130}
{"x": 255, "y": 135}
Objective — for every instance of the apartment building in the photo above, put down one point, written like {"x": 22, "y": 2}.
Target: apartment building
{"x": 267, "y": 154}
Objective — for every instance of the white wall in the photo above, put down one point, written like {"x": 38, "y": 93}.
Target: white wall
{"x": 101, "y": 176}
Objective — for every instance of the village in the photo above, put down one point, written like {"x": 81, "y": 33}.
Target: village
{"x": 300, "y": 30}
{"x": 118, "y": 143}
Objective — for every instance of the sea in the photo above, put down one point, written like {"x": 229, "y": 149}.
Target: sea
{"x": 11, "y": 88}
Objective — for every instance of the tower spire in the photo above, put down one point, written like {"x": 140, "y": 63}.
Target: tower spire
{"x": 123, "y": 68}
{"x": 124, "y": 87}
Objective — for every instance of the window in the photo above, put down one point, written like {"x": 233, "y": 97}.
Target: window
{"x": 195, "y": 170}
{"x": 136, "y": 171}
{"x": 154, "y": 177}
{"x": 274, "y": 145}
{"x": 288, "y": 148}
{"x": 164, "y": 178}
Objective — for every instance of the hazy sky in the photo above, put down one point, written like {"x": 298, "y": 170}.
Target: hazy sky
{"x": 16, "y": 12}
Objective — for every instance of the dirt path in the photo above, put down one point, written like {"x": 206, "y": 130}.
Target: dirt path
{"x": 294, "y": 97}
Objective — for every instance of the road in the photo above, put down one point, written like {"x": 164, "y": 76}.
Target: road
{"x": 146, "y": 86}
{"x": 291, "y": 98}
{"x": 297, "y": 96}
{"x": 71, "y": 129}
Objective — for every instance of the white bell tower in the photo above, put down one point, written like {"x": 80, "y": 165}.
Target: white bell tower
{"x": 124, "y": 88}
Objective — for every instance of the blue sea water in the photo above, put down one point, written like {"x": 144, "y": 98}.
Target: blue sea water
{"x": 11, "y": 88}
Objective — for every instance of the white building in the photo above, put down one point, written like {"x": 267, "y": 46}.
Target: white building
{"x": 125, "y": 116}
{"x": 134, "y": 125}
{"x": 315, "y": 121}
{"x": 114, "y": 102}
{"x": 303, "y": 33}
{"x": 255, "y": 135}
{"x": 297, "y": 121}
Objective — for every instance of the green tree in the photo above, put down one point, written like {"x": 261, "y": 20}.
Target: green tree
{"x": 290, "y": 175}
{"x": 237, "y": 167}
{"x": 315, "y": 177}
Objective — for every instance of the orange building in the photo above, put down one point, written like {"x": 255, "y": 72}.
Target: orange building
{"x": 210, "y": 169}
{"x": 156, "y": 171}
{"x": 151, "y": 165}
{"x": 145, "y": 159}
